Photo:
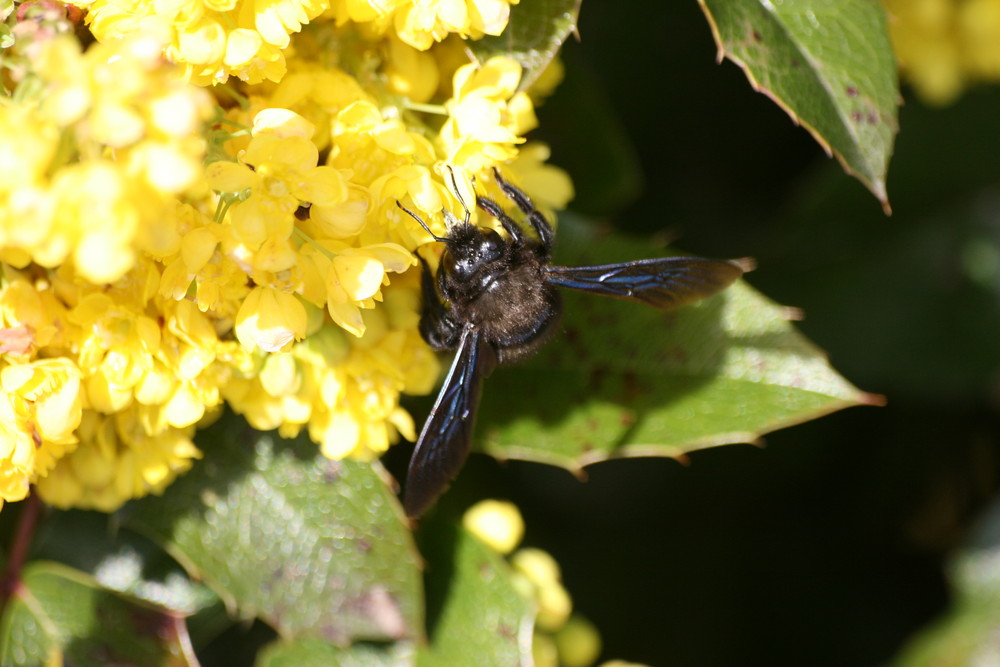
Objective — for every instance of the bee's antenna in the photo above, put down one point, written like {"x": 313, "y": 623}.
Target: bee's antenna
{"x": 422, "y": 223}
{"x": 458, "y": 193}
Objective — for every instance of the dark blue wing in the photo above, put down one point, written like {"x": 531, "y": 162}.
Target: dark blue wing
{"x": 445, "y": 440}
{"x": 667, "y": 282}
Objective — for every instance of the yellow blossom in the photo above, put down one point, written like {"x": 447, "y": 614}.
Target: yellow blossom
{"x": 270, "y": 320}
{"x": 420, "y": 23}
{"x": 497, "y": 523}
{"x": 578, "y": 643}
{"x": 17, "y": 450}
{"x": 211, "y": 40}
{"x": 122, "y": 461}
{"x": 411, "y": 72}
{"x": 122, "y": 159}
{"x": 355, "y": 277}
{"x": 541, "y": 571}
{"x": 487, "y": 115}
{"x": 44, "y": 400}
{"x": 117, "y": 349}
{"x": 345, "y": 389}
{"x": 946, "y": 45}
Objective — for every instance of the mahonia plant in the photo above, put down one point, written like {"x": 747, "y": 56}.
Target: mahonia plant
{"x": 185, "y": 253}
{"x": 203, "y": 255}
{"x": 199, "y": 212}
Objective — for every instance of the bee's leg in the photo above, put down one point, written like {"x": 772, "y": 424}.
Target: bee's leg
{"x": 513, "y": 229}
{"x": 436, "y": 326}
{"x": 523, "y": 202}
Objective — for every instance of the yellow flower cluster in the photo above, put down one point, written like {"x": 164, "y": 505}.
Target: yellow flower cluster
{"x": 946, "y": 45}
{"x": 87, "y": 167}
{"x": 421, "y": 23}
{"x": 92, "y": 161}
{"x": 145, "y": 285}
{"x": 215, "y": 39}
{"x": 211, "y": 40}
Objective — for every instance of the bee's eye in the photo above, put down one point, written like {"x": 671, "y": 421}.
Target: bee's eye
{"x": 491, "y": 246}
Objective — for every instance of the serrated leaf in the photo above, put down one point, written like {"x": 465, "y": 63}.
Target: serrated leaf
{"x": 829, "y": 64}
{"x": 313, "y": 547}
{"x": 481, "y": 618}
{"x": 315, "y": 652}
{"x": 533, "y": 35}
{"x": 57, "y": 615}
{"x": 627, "y": 380}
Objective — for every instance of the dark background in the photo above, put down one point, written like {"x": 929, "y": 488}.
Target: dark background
{"x": 828, "y": 545}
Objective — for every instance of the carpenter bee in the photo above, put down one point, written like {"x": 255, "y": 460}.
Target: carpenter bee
{"x": 494, "y": 301}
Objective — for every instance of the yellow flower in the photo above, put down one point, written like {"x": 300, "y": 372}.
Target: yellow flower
{"x": 945, "y": 45}
{"x": 420, "y": 23}
{"x": 17, "y": 449}
{"x": 44, "y": 402}
{"x": 497, "y": 523}
{"x": 270, "y": 320}
{"x": 355, "y": 277}
{"x": 131, "y": 141}
{"x": 120, "y": 460}
{"x": 578, "y": 643}
{"x": 373, "y": 146}
{"x": 117, "y": 349}
{"x": 542, "y": 573}
{"x": 211, "y": 40}
{"x": 346, "y": 389}
{"x": 190, "y": 247}
{"x": 487, "y": 116}
{"x": 410, "y": 72}
{"x": 30, "y": 319}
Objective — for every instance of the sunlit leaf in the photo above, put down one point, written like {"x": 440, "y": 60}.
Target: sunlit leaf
{"x": 313, "y": 547}
{"x": 622, "y": 379}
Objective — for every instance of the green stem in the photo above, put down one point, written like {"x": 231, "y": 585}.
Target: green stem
{"x": 438, "y": 109}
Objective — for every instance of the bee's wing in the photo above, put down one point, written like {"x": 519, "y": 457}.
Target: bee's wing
{"x": 666, "y": 282}
{"x": 444, "y": 442}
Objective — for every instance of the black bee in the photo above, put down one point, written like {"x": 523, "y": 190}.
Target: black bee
{"x": 494, "y": 301}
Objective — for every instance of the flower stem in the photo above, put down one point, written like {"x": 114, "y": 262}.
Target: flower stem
{"x": 31, "y": 509}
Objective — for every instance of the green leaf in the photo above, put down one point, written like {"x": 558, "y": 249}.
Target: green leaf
{"x": 313, "y": 547}
{"x": 536, "y": 30}
{"x": 57, "y": 615}
{"x": 315, "y": 652}
{"x": 476, "y": 615}
{"x": 626, "y": 380}
{"x": 119, "y": 560}
{"x": 829, "y": 64}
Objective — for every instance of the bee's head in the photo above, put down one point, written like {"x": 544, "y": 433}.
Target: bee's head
{"x": 471, "y": 249}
